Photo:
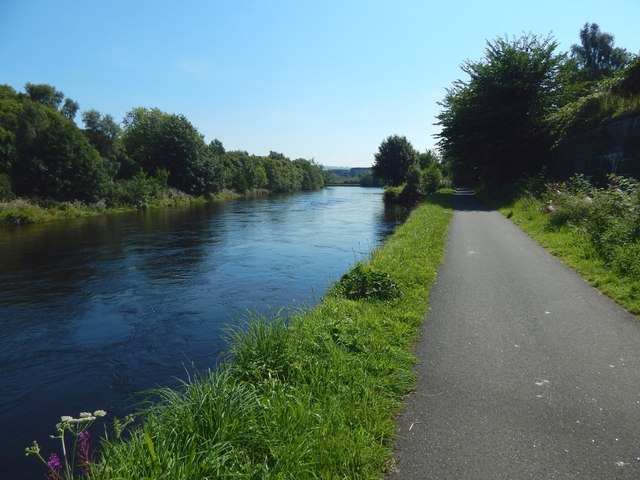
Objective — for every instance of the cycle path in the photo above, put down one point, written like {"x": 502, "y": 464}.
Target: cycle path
{"x": 524, "y": 370}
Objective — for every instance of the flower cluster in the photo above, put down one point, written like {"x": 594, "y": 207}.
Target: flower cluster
{"x": 80, "y": 455}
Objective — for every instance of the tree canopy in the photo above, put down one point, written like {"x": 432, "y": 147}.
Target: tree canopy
{"x": 596, "y": 55}
{"x": 493, "y": 124}
{"x": 395, "y": 156}
{"x": 44, "y": 154}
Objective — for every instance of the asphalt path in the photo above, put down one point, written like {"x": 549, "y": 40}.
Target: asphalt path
{"x": 524, "y": 370}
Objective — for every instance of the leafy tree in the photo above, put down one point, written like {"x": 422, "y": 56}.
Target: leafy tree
{"x": 493, "y": 125}
{"x": 157, "y": 140}
{"x": 395, "y": 156}
{"x": 10, "y": 107}
{"x": 427, "y": 159}
{"x": 596, "y": 56}
{"x": 54, "y": 158}
{"x": 217, "y": 148}
{"x": 45, "y": 94}
{"x": 105, "y": 135}
{"x": 312, "y": 178}
{"x": 69, "y": 108}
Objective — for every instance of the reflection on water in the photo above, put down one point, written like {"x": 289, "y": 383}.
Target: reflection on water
{"x": 97, "y": 310}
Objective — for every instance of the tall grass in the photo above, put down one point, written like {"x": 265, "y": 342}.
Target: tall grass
{"x": 595, "y": 230}
{"x": 313, "y": 396}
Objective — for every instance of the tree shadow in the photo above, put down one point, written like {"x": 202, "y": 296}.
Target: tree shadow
{"x": 466, "y": 200}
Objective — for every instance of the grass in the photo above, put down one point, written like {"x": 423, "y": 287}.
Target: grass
{"x": 572, "y": 243}
{"x": 23, "y": 211}
{"x": 313, "y": 396}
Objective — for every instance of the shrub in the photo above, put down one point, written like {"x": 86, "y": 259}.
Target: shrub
{"x": 361, "y": 282}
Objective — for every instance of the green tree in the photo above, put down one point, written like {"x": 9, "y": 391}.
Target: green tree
{"x": 395, "y": 156}
{"x": 596, "y": 55}
{"x": 45, "y": 94}
{"x": 10, "y": 107}
{"x": 312, "y": 178}
{"x": 493, "y": 125}
{"x": 105, "y": 135}
{"x": 157, "y": 140}
{"x": 54, "y": 158}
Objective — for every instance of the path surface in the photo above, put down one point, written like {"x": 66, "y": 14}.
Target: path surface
{"x": 524, "y": 370}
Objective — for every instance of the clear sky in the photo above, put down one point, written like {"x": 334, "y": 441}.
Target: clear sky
{"x": 322, "y": 79}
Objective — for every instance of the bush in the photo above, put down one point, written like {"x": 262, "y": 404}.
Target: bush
{"x": 363, "y": 283}
{"x": 609, "y": 216}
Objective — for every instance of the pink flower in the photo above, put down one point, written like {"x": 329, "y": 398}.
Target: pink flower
{"x": 54, "y": 466}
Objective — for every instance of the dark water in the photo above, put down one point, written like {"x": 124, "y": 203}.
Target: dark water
{"x": 92, "y": 312}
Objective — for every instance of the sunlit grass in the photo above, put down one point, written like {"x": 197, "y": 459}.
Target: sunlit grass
{"x": 311, "y": 397}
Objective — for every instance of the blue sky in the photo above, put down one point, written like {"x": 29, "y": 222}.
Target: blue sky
{"x": 320, "y": 79}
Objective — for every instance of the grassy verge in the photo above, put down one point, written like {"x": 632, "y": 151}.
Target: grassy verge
{"x": 311, "y": 397}
{"x": 572, "y": 240}
{"x": 23, "y": 211}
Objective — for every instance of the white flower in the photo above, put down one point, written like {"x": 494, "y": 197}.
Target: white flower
{"x": 99, "y": 413}
{"x": 85, "y": 415}
{"x": 66, "y": 419}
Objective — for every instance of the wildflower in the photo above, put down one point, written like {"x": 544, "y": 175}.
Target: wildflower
{"x": 83, "y": 452}
{"x": 85, "y": 414}
{"x": 99, "y": 413}
{"x": 66, "y": 419}
{"x": 54, "y": 466}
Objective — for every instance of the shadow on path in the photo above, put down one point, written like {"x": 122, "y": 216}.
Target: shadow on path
{"x": 465, "y": 200}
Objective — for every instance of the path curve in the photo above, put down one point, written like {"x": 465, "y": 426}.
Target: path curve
{"x": 525, "y": 371}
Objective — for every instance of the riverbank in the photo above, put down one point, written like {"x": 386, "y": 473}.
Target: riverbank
{"x": 24, "y": 211}
{"x": 311, "y": 397}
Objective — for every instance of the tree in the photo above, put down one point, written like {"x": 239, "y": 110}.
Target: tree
{"x": 493, "y": 125}
{"x": 54, "y": 159}
{"x": 596, "y": 55}
{"x": 395, "y": 156}
{"x": 156, "y": 140}
{"x": 69, "y": 108}
{"x": 105, "y": 135}
{"x": 45, "y": 94}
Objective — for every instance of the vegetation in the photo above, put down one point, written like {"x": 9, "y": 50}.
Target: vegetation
{"x": 311, "y": 397}
{"x": 595, "y": 230}
{"x": 524, "y": 97}
{"x": 154, "y": 158}
{"x": 411, "y": 175}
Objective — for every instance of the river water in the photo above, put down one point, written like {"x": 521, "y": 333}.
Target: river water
{"x": 94, "y": 311}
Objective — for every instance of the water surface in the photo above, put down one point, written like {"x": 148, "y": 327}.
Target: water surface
{"x": 94, "y": 311}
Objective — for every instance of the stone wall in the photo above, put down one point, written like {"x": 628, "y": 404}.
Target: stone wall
{"x": 611, "y": 148}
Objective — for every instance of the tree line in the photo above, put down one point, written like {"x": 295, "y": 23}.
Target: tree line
{"x": 517, "y": 104}
{"x": 44, "y": 154}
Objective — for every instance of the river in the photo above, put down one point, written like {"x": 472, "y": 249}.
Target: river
{"x": 94, "y": 311}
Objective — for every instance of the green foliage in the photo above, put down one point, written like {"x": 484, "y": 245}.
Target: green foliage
{"x": 431, "y": 179}
{"x": 393, "y": 160}
{"x": 158, "y": 140}
{"x": 493, "y": 127}
{"x": 105, "y": 135}
{"x": 613, "y": 97}
{"x": 361, "y": 282}
{"x": 141, "y": 190}
{"x": 157, "y": 157}
{"x": 54, "y": 159}
{"x": 596, "y": 55}
{"x": 44, "y": 94}
{"x": 314, "y": 397}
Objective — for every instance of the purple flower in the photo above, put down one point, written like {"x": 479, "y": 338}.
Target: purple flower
{"x": 54, "y": 466}
{"x": 84, "y": 452}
